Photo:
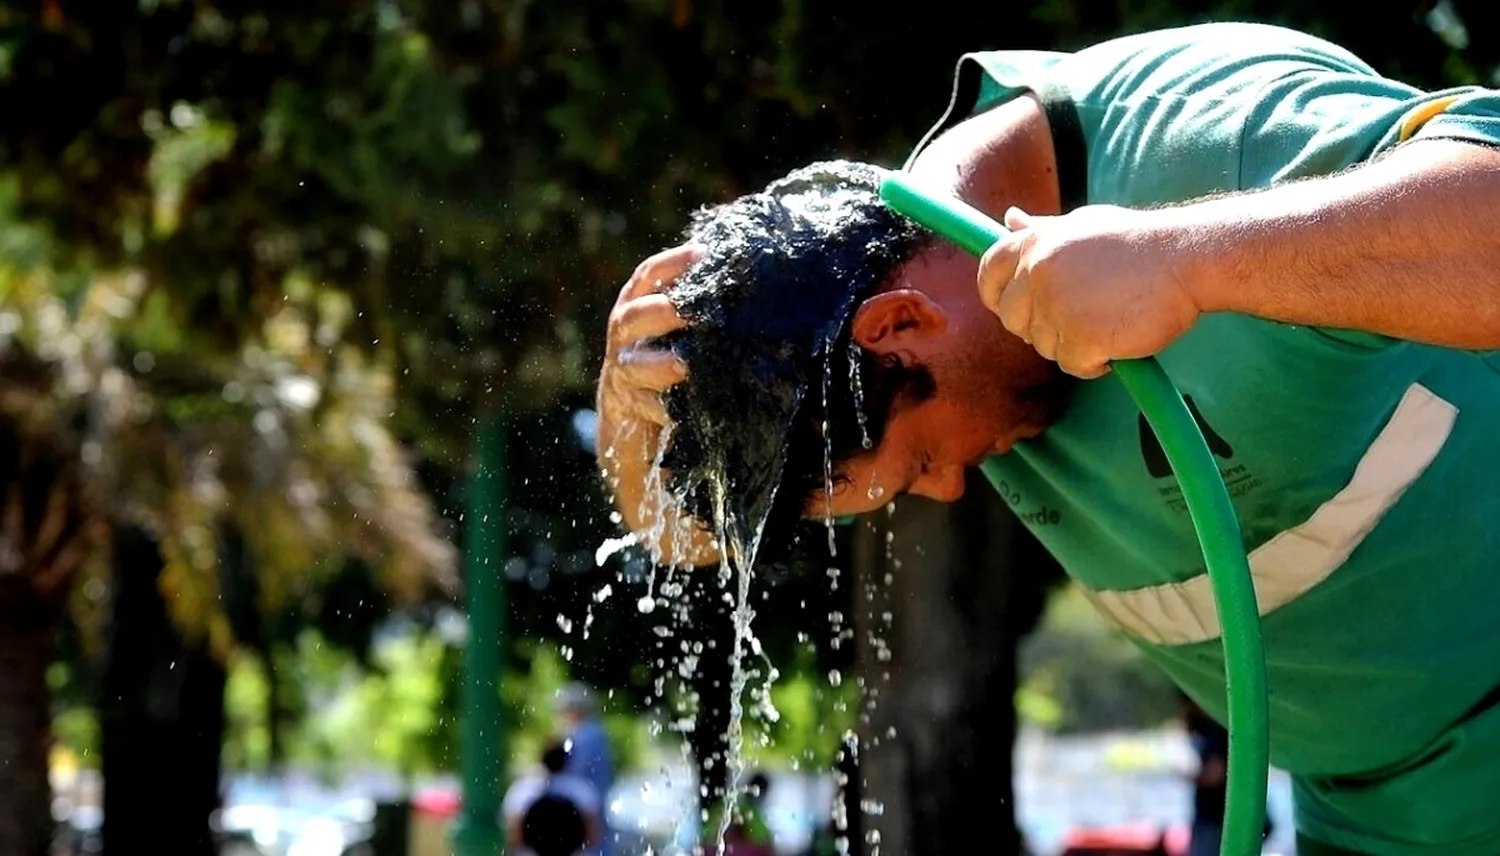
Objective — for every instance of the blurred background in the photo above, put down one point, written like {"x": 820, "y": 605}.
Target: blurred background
{"x": 303, "y": 551}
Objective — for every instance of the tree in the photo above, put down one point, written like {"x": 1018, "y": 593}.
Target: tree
{"x": 460, "y": 185}
{"x": 287, "y": 447}
{"x": 41, "y": 543}
{"x": 947, "y": 593}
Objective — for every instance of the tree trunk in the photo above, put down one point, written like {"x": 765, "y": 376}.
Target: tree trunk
{"x": 162, "y": 718}
{"x": 966, "y": 583}
{"x": 26, "y": 639}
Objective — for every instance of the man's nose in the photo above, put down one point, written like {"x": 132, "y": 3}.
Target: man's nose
{"x": 944, "y": 484}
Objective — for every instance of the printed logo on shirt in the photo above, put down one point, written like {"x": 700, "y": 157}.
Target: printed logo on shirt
{"x": 1042, "y": 515}
{"x": 1156, "y": 458}
{"x": 1237, "y": 478}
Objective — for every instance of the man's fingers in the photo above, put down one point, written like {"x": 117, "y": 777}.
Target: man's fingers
{"x": 1078, "y": 363}
{"x": 1017, "y": 310}
{"x": 1045, "y": 340}
{"x": 643, "y": 318}
{"x": 1016, "y": 219}
{"x": 1088, "y": 371}
{"x": 658, "y": 271}
{"x": 996, "y": 269}
{"x": 645, "y": 368}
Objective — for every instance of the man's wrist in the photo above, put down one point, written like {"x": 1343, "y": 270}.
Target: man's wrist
{"x": 1204, "y": 257}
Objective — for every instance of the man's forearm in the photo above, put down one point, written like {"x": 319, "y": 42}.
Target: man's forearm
{"x": 626, "y": 452}
{"x": 1407, "y": 246}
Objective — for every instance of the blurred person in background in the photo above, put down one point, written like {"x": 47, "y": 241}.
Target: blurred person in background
{"x": 551, "y": 812}
{"x": 1210, "y": 782}
{"x": 589, "y": 753}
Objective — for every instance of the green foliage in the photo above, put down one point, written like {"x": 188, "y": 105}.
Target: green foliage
{"x": 528, "y": 695}
{"x": 1080, "y": 675}
{"x": 212, "y": 214}
{"x": 75, "y": 728}
{"x": 814, "y": 715}
{"x": 345, "y": 717}
{"x": 398, "y": 715}
{"x": 286, "y": 439}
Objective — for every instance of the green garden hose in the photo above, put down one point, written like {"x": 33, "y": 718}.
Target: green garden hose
{"x": 1209, "y": 507}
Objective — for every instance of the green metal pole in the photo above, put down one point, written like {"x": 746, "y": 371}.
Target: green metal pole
{"x": 482, "y": 750}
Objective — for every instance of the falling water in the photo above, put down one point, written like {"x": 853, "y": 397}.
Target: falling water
{"x": 737, "y": 561}
{"x": 859, "y": 395}
{"x": 833, "y": 549}
{"x": 810, "y": 217}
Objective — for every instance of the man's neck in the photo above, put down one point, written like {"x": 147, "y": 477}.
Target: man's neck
{"x": 1001, "y": 158}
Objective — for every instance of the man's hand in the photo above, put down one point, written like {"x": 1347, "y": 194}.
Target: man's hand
{"x": 1088, "y": 287}
{"x": 631, "y": 413}
{"x": 635, "y": 375}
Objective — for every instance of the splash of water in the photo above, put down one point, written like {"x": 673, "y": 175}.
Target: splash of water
{"x": 739, "y": 555}
{"x": 858, "y": 391}
{"x": 833, "y": 549}
{"x": 754, "y": 355}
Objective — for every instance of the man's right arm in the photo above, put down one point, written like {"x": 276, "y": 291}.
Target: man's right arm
{"x": 632, "y": 418}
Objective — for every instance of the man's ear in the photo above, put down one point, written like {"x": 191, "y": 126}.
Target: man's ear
{"x": 892, "y": 319}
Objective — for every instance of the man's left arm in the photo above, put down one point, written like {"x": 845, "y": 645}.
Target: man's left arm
{"x": 1406, "y": 246}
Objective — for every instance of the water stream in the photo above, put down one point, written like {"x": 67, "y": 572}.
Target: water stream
{"x": 741, "y": 419}
{"x": 737, "y": 564}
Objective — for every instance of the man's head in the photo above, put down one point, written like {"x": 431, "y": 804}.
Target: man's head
{"x": 575, "y": 703}
{"x": 815, "y": 306}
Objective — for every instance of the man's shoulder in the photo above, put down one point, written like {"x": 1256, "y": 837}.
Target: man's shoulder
{"x": 1231, "y": 40}
{"x": 522, "y": 793}
{"x": 1224, "y": 61}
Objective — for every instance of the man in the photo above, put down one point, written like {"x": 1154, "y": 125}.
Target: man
{"x": 589, "y": 754}
{"x": 552, "y": 812}
{"x": 1313, "y": 253}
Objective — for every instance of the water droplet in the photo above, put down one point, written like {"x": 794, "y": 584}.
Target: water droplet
{"x": 859, "y": 394}
{"x": 646, "y": 604}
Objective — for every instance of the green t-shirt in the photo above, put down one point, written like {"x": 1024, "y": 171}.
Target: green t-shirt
{"x": 1360, "y": 467}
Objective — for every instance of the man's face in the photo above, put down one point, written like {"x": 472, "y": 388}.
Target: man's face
{"x": 927, "y": 450}
{"x": 986, "y": 388}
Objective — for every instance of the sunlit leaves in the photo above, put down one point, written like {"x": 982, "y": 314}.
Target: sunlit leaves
{"x": 287, "y": 439}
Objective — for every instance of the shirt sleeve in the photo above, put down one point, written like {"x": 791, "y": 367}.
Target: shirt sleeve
{"x": 1211, "y": 117}
{"x": 1319, "y": 121}
{"x": 1166, "y": 114}
{"x": 1470, "y": 114}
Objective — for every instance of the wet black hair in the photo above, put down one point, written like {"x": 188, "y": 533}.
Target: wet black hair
{"x": 555, "y": 757}
{"x": 769, "y": 340}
